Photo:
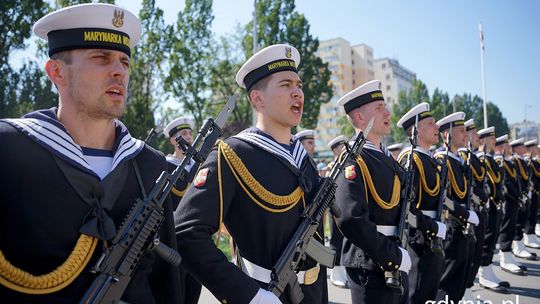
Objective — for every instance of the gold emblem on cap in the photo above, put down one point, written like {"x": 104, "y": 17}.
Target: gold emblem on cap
{"x": 288, "y": 52}
{"x": 118, "y": 19}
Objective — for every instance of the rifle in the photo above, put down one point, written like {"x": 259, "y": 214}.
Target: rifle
{"x": 469, "y": 229}
{"x": 138, "y": 232}
{"x": 393, "y": 278}
{"x": 522, "y": 199}
{"x": 152, "y": 134}
{"x": 283, "y": 274}
{"x": 436, "y": 244}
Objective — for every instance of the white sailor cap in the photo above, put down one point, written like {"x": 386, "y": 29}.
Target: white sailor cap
{"x": 469, "y": 125}
{"x": 531, "y": 143}
{"x": 364, "y": 94}
{"x": 409, "y": 119}
{"x": 490, "y": 131}
{"x": 338, "y": 140}
{"x": 176, "y": 125}
{"x": 271, "y": 59}
{"x": 89, "y": 26}
{"x": 517, "y": 142}
{"x": 305, "y": 134}
{"x": 501, "y": 140}
{"x": 454, "y": 119}
{"x": 395, "y": 147}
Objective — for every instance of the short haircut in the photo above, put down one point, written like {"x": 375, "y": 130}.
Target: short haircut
{"x": 260, "y": 85}
{"x": 64, "y": 56}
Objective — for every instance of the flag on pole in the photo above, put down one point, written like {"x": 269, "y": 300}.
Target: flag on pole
{"x": 481, "y": 37}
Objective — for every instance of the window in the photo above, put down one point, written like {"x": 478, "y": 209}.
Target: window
{"x": 383, "y": 66}
{"x": 388, "y": 87}
{"x": 387, "y": 76}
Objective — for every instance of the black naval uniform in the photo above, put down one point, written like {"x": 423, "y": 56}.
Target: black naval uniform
{"x": 190, "y": 288}
{"x": 478, "y": 203}
{"x": 534, "y": 165}
{"x": 367, "y": 253}
{"x": 336, "y": 237}
{"x": 523, "y": 213}
{"x": 495, "y": 184}
{"x": 456, "y": 245}
{"x": 427, "y": 266}
{"x": 258, "y": 189}
{"x": 511, "y": 205}
{"x": 50, "y": 195}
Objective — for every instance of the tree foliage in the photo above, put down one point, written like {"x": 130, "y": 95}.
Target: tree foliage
{"x": 145, "y": 88}
{"x": 278, "y": 22}
{"x": 190, "y": 52}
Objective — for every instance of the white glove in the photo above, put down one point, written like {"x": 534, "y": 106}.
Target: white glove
{"x": 488, "y": 203}
{"x": 405, "y": 261}
{"x": 265, "y": 297}
{"x": 441, "y": 230}
{"x": 529, "y": 194}
{"x": 473, "y": 218}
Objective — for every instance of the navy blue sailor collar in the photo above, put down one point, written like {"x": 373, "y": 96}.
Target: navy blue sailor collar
{"x": 293, "y": 153}
{"x": 43, "y": 127}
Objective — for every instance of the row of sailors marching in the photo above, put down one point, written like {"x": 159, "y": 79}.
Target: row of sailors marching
{"x": 504, "y": 180}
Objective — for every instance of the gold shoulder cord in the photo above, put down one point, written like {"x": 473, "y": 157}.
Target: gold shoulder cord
{"x": 249, "y": 184}
{"x": 178, "y": 192}
{"x": 478, "y": 176}
{"x": 495, "y": 177}
{"x": 19, "y": 280}
{"x": 394, "y": 199}
{"x": 536, "y": 172}
{"x": 522, "y": 171}
{"x": 459, "y": 192}
{"x": 423, "y": 182}
{"x": 512, "y": 173}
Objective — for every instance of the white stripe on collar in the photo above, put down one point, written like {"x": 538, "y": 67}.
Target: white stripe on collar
{"x": 450, "y": 154}
{"x": 60, "y": 143}
{"x": 269, "y": 145}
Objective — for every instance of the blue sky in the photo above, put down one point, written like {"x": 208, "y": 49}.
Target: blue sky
{"x": 436, "y": 39}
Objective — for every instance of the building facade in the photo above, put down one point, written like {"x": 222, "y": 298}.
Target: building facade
{"x": 394, "y": 79}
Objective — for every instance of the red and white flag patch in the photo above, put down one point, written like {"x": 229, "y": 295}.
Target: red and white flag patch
{"x": 350, "y": 172}
{"x": 200, "y": 179}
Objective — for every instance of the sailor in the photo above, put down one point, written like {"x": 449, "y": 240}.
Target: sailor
{"x": 427, "y": 262}
{"x": 478, "y": 198}
{"x": 369, "y": 195}
{"x": 525, "y": 186}
{"x": 257, "y": 184}
{"x": 338, "y": 275}
{"x": 395, "y": 149}
{"x": 307, "y": 138}
{"x": 70, "y": 174}
{"x": 494, "y": 182}
{"x": 513, "y": 199}
{"x": 456, "y": 247}
{"x": 529, "y": 238}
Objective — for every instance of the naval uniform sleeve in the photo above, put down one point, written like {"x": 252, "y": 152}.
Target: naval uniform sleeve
{"x": 197, "y": 218}
{"x": 355, "y": 223}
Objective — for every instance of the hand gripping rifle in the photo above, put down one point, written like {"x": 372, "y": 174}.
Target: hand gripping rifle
{"x": 302, "y": 243}
{"x": 393, "y": 278}
{"x": 436, "y": 244}
{"x": 469, "y": 229}
{"x": 138, "y": 232}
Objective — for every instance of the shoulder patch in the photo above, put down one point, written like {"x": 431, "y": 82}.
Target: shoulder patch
{"x": 350, "y": 172}
{"x": 200, "y": 179}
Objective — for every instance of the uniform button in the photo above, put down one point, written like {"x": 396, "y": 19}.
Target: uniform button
{"x": 396, "y": 266}
{"x": 428, "y": 231}
{"x": 389, "y": 263}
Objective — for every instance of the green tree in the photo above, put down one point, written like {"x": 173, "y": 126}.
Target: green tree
{"x": 35, "y": 90}
{"x": 440, "y": 105}
{"x": 345, "y": 126}
{"x": 190, "y": 39}
{"x": 145, "y": 87}
{"x": 15, "y": 27}
{"x": 417, "y": 94}
{"x": 226, "y": 60}
{"x": 278, "y": 22}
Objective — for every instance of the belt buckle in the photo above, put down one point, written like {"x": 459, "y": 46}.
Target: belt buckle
{"x": 311, "y": 275}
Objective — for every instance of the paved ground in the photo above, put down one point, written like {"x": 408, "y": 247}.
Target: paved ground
{"x": 525, "y": 289}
